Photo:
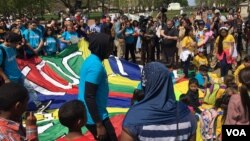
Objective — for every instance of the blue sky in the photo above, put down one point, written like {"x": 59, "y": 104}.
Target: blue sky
{"x": 191, "y": 2}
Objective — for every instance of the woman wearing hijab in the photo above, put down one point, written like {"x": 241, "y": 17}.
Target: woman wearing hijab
{"x": 158, "y": 116}
{"x": 93, "y": 88}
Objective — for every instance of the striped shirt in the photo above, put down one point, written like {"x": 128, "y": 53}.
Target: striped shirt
{"x": 11, "y": 131}
{"x": 165, "y": 132}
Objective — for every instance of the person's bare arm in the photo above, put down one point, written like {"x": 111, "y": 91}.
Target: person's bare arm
{"x": 126, "y": 136}
{"x": 173, "y": 37}
{"x": 162, "y": 34}
{"x": 65, "y": 41}
{"x": 4, "y": 76}
{"x": 192, "y": 138}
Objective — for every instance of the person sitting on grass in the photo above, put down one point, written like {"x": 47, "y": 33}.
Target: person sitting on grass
{"x": 200, "y": 59}
{"x": 191, "y": 98}
{"x": 202, "y": 77}
{"x": 72, "y": 114}
{"x": 171, "y": 68}
{"x": 245, "y": 64}
{"x": 14, "y": 101}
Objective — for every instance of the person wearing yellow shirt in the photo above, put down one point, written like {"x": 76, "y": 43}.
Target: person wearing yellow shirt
{"x": 200, "y": 59}
{"x": 245, "y": 64}
{"x": 224, "y": 49}
{"x": 187, "y": 49}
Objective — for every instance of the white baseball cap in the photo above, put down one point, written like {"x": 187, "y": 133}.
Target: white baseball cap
{"x": 67, "y": 19}
{"x": 217, "y": 11}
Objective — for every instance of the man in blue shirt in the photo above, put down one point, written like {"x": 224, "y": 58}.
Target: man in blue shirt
{"x": 8, "y": 66}
{"x": 34, "y": 39}
{"x": 96, "y": 28}
{"x": 9, "y": 70}
{"x": 94, "y": 90}
{"x": 20, "y": 26}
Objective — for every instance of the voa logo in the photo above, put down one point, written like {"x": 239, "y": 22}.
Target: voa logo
{"x": 236, "y": 132}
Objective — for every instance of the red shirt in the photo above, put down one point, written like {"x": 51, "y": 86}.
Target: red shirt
{"x": 83, "y": 138}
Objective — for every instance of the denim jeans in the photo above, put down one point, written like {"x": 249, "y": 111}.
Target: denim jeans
{"x": 32, "y": 93}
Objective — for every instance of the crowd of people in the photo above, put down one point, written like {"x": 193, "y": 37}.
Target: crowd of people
{"x": 202, "y": 43}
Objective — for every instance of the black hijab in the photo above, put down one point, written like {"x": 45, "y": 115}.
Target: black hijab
{"x": 99, "y": 44}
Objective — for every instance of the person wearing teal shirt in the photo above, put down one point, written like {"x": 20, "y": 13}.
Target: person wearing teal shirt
{"x": 94, "y": 89}
{"x": 203, "y": 77}
{"x": 129, "y": 40}
{"x": 8, "y": 63}
{"x": 34, "y": 40}
{"x": 67, "y": 36}
{"x": 51, "y": 46}
{"x": 41, "y": 29}
{"x": 9, "y": 70}
{"x": 20, "y": 26}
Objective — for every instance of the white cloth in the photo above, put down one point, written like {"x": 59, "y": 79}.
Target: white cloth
{"x": 235, "y": 54}
{"x": 158, "y": 31}
{"x": 139, "y": 42}
{"x": 184, "y": 54}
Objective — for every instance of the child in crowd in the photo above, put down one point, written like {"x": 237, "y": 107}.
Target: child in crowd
{"x": 192, "y": 96}
{"x": 72, "y": 114}
{"x": 209, "y": 38}
{"x": 245, "y": 64}
{"x": 200, "y": 59}
{"x": 14, "y": 101}
{"x": 202, "y": 77}
{"x": 138, "y": 95}
{"x": 51, "y": 43}
{"x": 174, "y": 79}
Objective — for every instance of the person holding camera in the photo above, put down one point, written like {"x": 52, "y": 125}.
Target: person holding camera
{"x": 170, "y": 37}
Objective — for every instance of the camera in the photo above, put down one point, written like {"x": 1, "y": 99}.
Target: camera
{"x": 143, "y": 21}
{"x": 163, "y": 10}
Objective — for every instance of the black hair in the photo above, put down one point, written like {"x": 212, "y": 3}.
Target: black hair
{"x": 222, "y": 103}
{"x": 185, "y": 99}
{"x": 201, "y": 22}
{"x": 169, "y": 65}
{"x": 247, "y": 59}
{"x": 32, "y": 21}
{"x": 193, "y": 81}
{"x": 203, "y": 68}
{"x": 46, "y": 32}
{"x": 12, "y": 37}
{"x": 138, "y": 95}
{"x": 229, "y": 80}
{"x": 220, "y": 43}
{"x": 13, "y": 26}
{"x": 244, "y": 77}
{"x": 10, "y": 94}
{"x": 70, "y": 112}
{"x": 187, "y": 30}
{"x": 135, "y": 22}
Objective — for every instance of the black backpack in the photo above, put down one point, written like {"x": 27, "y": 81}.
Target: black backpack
{"x": 2, "y": 65}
